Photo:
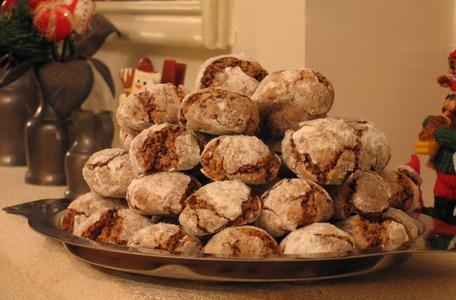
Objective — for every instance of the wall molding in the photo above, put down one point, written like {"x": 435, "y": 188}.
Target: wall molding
{"x": 200, "y": 24}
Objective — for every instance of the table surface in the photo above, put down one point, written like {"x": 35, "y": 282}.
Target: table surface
{"x": 33, "y": 267}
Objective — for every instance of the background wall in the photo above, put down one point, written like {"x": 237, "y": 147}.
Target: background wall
{"x": 382, "y": 56}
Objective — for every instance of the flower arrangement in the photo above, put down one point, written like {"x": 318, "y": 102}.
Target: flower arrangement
{"x": 57, "y": 38}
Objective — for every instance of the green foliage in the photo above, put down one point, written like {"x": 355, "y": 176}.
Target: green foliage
{"x": 19, "y": 37}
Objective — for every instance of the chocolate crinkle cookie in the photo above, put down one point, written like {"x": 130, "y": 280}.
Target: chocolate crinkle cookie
{"x": 326, "y": 151}
{"x": 401, "y": 217}
{"x": 84, "y": 206}
{"x": 158, "y": 104}
{"x": 165, "y": 147}
{"x": 218, "y": 205}
{"x": 108, "y": 172}
{"x": 112, "y": 226}
{"x": 242, "y": 241}
{"x": 231, "y": 72}
{"x": 168, "y": 237}
{"x": 376, "y": 148}
{"x": 291, "y": 96}
{"x": 317, "y": 240}
{"x": 404, "y": 192}
{"x": 293, "y": 203}
{"x": 161, "y": 193}
{"x": 365, "y": 193}
{"x": 126, "y": 136}
{"x": 217, "y": 111}
{"x": 386, "y": 235}
{"x": 241, "y": 157}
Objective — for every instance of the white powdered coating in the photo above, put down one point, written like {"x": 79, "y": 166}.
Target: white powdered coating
{"x": 243, "y": 240}
{"x": 108, "y": 172}
{"x": 291, "y": 96}
{"x": 88, "y": 203}
{"x": 187, "y": 149}
{"x": 226, "y": 197}
{"x": 217, "y": 204}
{"x": 217, "y": 112}
{"x": 159, "y": 103}
{"x": 318, "y": 239}
{"x": 238, "y": 151}
{"x": 404, "y": 219}
{"x": 397, "y": 236}
{"x": 131, "y": 223}
{"x": 372, "y": 193}
{"x": 160, "y": 236}
{"x": 158, "y": 194}
{"x": 387, "y": 234}
{"x": 330, "y": 144}
{"x": 376, "y": 150}
{"x": 404, "y": 192}
{"x": 83, "y": 226}
{"x": 125, "y": 137}
{"x": 233, "y": 79}
{"x": 293, "y": 203}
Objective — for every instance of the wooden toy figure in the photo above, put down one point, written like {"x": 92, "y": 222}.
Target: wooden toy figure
{"x": 449, "y": 80}
{"x": 135, "y": 80}
{"x": 438, "y": 140}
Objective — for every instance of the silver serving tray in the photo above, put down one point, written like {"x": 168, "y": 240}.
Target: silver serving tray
{"x": 43, "y": 216}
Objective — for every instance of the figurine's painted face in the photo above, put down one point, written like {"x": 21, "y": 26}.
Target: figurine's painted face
{"x": 141, "y": 80}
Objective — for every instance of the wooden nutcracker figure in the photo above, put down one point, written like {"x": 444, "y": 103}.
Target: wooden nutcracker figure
{"x": 438, "y": 140}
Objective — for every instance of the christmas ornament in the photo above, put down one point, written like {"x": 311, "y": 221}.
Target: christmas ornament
{"x": 83, "y": 12}
{"x": 53, "y": 19}
{"x": 34, "y": 3}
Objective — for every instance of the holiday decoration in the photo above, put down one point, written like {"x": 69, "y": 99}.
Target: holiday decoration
{"x": 53, "y": 19}
{"x": 83, "y": 12}
{"x": 438, "y": 140}
{"x": 135, "y": 80}
{"x": 31, "y": 34}
{"x": 449, "y": 80}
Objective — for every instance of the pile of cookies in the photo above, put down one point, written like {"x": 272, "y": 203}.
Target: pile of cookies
{"x": 247, "y": 163}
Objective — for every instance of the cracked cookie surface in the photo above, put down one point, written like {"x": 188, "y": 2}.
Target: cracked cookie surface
{"x": 293, "y": 203}
{"x": 291, "y": 96}
{"x": 325, "y": 151}
{"x": 161, "y": 193}
{"x": 365, "y": 193}
{"x": 157, "y": 104}
{"x": 108, "y": 172}
{"x": 231, "y": 72}
{"x": 318, "y": 239}
{"x": 217, "y": 111}
{"x": 386, "y": 235}
{"x": 218, "y": 205}
{"x": 241, "y": 157}
{"x": 165, "y": 147}
{"x": 84, "y": 206}
{"x": 242, "y": 240}
{"x": 168, "y": 237}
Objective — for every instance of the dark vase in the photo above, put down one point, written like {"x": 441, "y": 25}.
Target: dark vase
{"x": 106, "y": 129}
{"x": 93, "y": 132}
{"x": 18, "y": 101}
{"x": 46, "y": 142}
